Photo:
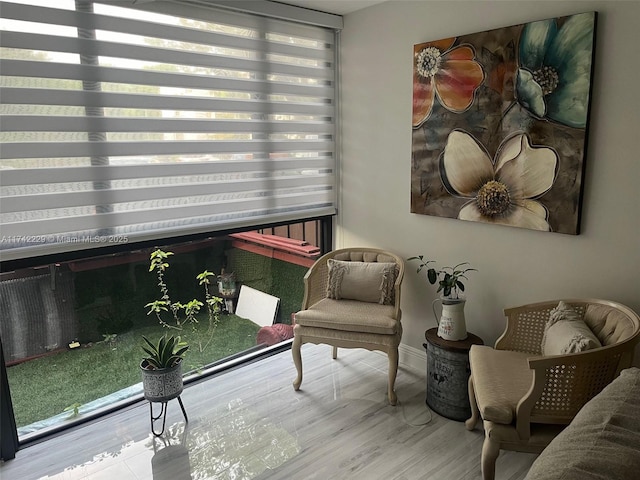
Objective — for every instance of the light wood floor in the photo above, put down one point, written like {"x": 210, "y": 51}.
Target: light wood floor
{"x": 250, "y": 424}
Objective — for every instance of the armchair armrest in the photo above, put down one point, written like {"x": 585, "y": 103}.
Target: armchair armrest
{"x": 562, "y": 384}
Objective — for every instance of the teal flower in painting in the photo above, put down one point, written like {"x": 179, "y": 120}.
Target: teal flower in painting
{"x": 555, "y": 69}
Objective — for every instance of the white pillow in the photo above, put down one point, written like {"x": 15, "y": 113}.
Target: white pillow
{"x": 364, "y": 281}
{"x": 566, "y": 332}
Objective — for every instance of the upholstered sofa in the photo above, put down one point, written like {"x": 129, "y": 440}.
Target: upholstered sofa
{"x": 540, "y": 374}
{"x": 602, "y": 441}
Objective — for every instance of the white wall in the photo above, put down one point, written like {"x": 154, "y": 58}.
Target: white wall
{"x": 516, "y": 266}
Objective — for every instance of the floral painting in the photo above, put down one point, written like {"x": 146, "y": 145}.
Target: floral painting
{"x": 500, "y": 121}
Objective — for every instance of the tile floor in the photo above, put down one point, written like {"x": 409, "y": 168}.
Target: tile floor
{"x": 250, "y": 424}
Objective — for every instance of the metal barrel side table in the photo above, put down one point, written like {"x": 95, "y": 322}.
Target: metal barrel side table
{"x": 448, "y": 374}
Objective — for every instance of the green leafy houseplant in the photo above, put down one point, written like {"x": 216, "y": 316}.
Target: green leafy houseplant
{"x": 159, "y": 263}
{"x": 181, "y": 314}
{"x": 165, "y": 354}
{"x": 449, "y": 278}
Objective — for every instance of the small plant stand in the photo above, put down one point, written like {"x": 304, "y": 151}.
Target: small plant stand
{"x": 160, "y": 386}
{"x": 163, "y": 414}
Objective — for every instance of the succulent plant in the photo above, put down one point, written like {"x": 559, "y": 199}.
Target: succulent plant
{"x": 165, "y": 354}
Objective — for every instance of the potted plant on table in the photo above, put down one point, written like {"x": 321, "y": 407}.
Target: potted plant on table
{"x": 452, "y": 324}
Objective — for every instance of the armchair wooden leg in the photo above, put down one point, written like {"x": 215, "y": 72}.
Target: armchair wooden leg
{"x": 475, "y": 413}
{"x": 335, "y": 353}
{"x": 297, "y": 361}
{"x": 490, "y": 452}
{"x": 393, "y": 372}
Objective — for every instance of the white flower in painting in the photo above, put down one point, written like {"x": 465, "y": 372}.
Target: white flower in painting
{"x": 502, "y": 191}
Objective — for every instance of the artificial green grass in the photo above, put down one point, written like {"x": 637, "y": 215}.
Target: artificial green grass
{"x": 44, "y": 387}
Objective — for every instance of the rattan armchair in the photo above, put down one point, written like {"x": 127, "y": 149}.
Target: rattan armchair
{"x": 524, "y": 398}
{"x": 354, "y": 321}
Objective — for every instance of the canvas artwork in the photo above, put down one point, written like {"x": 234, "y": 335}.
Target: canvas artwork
{"x": 500, "y": 122}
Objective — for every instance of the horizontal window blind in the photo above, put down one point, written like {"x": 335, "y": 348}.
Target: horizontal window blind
{"x": 124, "y": 123}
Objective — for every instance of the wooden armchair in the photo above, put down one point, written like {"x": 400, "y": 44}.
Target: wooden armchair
{"x": 352, "y": 300}
{"x": 524, "y": 398}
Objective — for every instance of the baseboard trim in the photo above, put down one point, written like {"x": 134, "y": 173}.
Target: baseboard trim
{"x": 414, "y": 358}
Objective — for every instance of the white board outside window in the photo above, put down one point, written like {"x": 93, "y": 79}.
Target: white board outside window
{"x": 257, "y": 306}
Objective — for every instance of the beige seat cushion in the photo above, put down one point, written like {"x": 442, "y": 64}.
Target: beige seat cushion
{"x": 355, "y": 339}
{"x": 350, "y": 315}
{"x": 501, "y": 379}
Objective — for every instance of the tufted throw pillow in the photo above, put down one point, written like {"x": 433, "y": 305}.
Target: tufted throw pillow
{"x": 363, "y": 281}
{"x": 566, "y": 332}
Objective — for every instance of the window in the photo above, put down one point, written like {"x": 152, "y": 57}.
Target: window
{"x": 124, "y": 124}
{"x": 72, "y": 332}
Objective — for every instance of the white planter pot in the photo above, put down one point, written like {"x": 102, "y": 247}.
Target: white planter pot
{"x": 451, "y": 323}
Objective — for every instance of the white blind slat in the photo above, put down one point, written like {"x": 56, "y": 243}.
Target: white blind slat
{"x": 150, "y": 78}
{"x": 53, "y": 123}
{"x": 39, "y": 96}
{"x": 33, "y": 176}
{"x": 143, "y": 28}
{"x": 129, "y": 221}
{"x": 50, "y": 43}
{"x": 166, "y": 147}
{"x": 154, "y": 189}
